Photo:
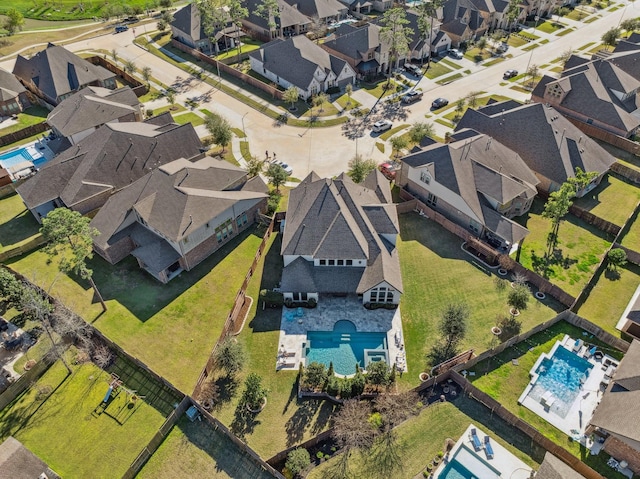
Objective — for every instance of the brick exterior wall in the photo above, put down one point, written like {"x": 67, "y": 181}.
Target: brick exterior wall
{"x": 117, "y": 251}
{"x": 623, "y": 452}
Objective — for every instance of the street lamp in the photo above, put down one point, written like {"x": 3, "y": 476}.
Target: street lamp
{"x": 242, "y": 120}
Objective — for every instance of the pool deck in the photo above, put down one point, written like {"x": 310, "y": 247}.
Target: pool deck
{"x": 293, "y": 332}
{"x": 505, "y": 462}
{"x": 589, "y": 396}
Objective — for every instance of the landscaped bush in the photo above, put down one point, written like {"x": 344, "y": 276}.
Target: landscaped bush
{"x": 380, "y": 305}
{"x": 271, "y": 298}
{"x": 273, "y": 202}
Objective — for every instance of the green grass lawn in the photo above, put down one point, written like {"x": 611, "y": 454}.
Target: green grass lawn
{"x": 516, "y": 41}
{"x": 376, "y": 89}
{"x": 31, "y": 116}
{"x": 174, "y": 110}
{"x": 422, "y": 437}
{"x": 435, "y": 273}
{"x": 189, "y": 117}
{"x": 248, "y": 45}
{"x": 61, "y": 9}
{"x": 196, "y": 449}
{"x": 437, "y": 69}
{"x": 577, "y": 14}
{"x": 481, "y": 101}
{"x": 389, "y": 133}
{"x": 285, "y": 420}
{"x": 505, "y": 382}
{"x": 17, "y": 224}
{"x": 170, "y": 327}
{"x": 580, "y": 247}
{"x": 475, "y": 55}
{"x": 610, "y": 296}
{"x": 550, "y": 26}
{"x": 62, "y": 430}
{"x": 613, "y": 200}
{"x": 632, "y": 238}
{"x": 347, "y": 104}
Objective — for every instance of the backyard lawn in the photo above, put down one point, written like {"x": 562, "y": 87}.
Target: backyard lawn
{"x": 56, "y": 420}
{"x": 631, "y": 239}
{"x": 436, "y": 69}
{"x": 505, "y": 382}
{"x": 196, "y": 449}
{"x": 189, "y": 117}
{"x": 580, "y": 247}
{"x": 17, "y": 224}
{"x": 31, "y": 116}
{"x": 436, "y": 272}
{"x": 422, "y": 437}
{"x": 613, "y": 200}
{"x": 171, "y": 327}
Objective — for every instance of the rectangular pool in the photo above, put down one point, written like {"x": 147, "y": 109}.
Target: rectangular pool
{"x": 12, "y": 158}
{"x": 465, "y": 464}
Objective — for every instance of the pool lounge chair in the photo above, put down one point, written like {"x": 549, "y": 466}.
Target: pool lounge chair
{"x": 477, "y": 445}
{"x": 589, "y": 353}
{"x": 488, "y": 448}
{"x": 577, "y": 346}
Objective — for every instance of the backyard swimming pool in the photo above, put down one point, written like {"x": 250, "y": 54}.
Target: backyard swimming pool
{"x": 345, "y": 347}
{"x": 14, "y": 157}
{"x": 467, "y": 465}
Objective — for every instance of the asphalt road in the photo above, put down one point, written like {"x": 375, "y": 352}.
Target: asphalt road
{"x": 328, "y": 150}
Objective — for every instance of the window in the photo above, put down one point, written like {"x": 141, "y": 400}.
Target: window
{"x": 425, "y": 177}
{"x": 323, "y": 262}
{"x": 349, "y": 262}
{"x": 340, "y": 262}
{"x": 381, "y": 294}
{"x": 474, "y": 226}
{"x": 224, "y": 231}
{"x": 432, "y": 200}
{"x": 242, "y": 220}
{"x": 332, "y": 262}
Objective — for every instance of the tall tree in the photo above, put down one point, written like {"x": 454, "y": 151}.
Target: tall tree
{"x": 14, "y": 21}
{"x": 351, "y": 427}
{"x": 396, "y": 34}
{"x": 420, "y": 130}
{"x": 213, "y": 17}
{"x": 427, "y": 11}
{"x": 453, "y": 324}
{"x": 255, "y": 166}
{"x": 130, "y": 67}
{"x": 513, "y": 12}
{"x": 237, "y": 12}
{"x": 230, "y": 357}
{"x": 220, "y": 129}
{"x": 398, "y": 143}
{"x": 348, "y": 90}
{"x": 70, "y": 238}
{"x": 269, "y": 10}
{"x": 277, "y": 175}
{"x": 610, "y": 37}
{"x": 359, "y": 168}
{"x": 10, "y": 288}
{"x": 291, "y": 95}
{"x": 146, "y": 74}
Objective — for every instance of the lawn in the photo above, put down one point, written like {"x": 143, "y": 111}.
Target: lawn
{"x": 173, "y": 109}
{"x": 550, "y": 26}
{"x": 347, "y": 104}
{"x": 285, "y": 420}
{"x": 63, "y": 425}
{"x": 377, "y": 89}
{"x": 632, "y": 238}
{"x": 580, "y": 248}
{"x": 516, "y": 41}
{"x": 248, "y": 45}
{"x": 475, "y": 55}
{"x": 482, "y": 101}
{"x": 613, "y": 200}
{"x": 389, "y": 133}
{"x": 435, "y": 273}
{"x": 422, "y": 437}
{"x": 189, "y": 117}
{"x": 505, "y": 382}
{"x": 437, "y": 69}
{"x": 17, "y": 224}
{"x": 610, "y": 296}
{"x": 31, "y": 116}
{"x": 170, "y": 327}
{"x": 196, "y": 449}
{"x": 62, "y": 9}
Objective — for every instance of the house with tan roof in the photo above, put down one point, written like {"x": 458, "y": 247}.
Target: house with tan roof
{"x": 286, "y": 22}
{"x": 554, "y": 468}
{"x": 177, "y": 215}
{"x": 340, "y": 239}
{"x": 18, "y": 462}
{"x": 13, "y": 95}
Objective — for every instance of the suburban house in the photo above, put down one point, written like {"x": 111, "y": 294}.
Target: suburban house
{"x": 288, "y": 21}
{"x": 340, "y": 239}
{"x": 554, "y": 468}
{"x": 299, "y": 62}
{"x": 178, "y": 214}
{"x": 84, "y": 176}
{"x": 361, "y": 48}
{"x": 187, "y": 28}
{"x": 548, "y": 143}
{"x": 13, "y": 95}
{"x": 474, "y": 181}
{"x": 55, "y": 73}
{"x": 462, "y": 21}
{"x": 596, "y": 92}
{"x": 422, "y": 46}
{"x": 325, "y": 11}
{"x": 616, "y": 418}
{"x": 79, "y": 115}
{"x": 18, "y": 462}
{"x": 366, "y": 6}
{"x": 629, "y": 321}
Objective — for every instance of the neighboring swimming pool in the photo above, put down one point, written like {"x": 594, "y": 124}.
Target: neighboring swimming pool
{"x": 346, "y": 347}
{"x": 14, "y": 157}
{"x": 465, "y": 464}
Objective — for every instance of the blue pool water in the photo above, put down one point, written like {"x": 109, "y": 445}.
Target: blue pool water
{"x": 562, "y": 374}
{"x": 465, "y": 464}
{"x": 14, "y": 157}
{"x": 344, "y": 346}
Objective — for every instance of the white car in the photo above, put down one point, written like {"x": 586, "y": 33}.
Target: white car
{"x": 455, "y": 53}
{"x": 285, "y": 167}
{"x": 382, "y": 125}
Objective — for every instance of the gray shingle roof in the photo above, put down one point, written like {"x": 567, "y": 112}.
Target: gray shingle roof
{"x": 56, "y": 71}
{"x": 338, "y": 219}
{"x": 109, "y": 159}
{"x": 296, "y": 60}
{"x": 288, "y": 16}
{"x": 92, "y": 107}
{"x": 18, "y": 462}
{"x": 355, "y": 42}
{"x": 301, "y": 275}
{"x": 554, "y": 468}
{"x": 187, "y": 20}
{"x": 320, "y": 8}
{"x": 547, "y": 142}
{"x": 10, "y": 87}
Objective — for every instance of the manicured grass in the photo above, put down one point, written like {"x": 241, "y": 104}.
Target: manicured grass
{"x": 62, "y": 9}
{"x": 435, "y": 273}
{"x": 63, "y": 431}
{"x": 516, "y": 41}
{"x": 494, "y": 62}
{"x": 236, "y": 131}
{"x": 17, "y": 224}
{"x": 613, "y": 200}
{"x": 347, "y": 104}
{"x": 587, "y": 45}
{"x": 448, "y": 124}
{"x": 189, "y": 117}
{"x": 577, "y": 14}
{"x": 450, "y": 63}
{"x": 248, "y": 45}
{"x": 244, "y": 149}
{"x": 550, "y": 26}
{"x": 170, "y": 327}
{"x": 530, "y": 47}
{"x": 449, "y": 79}
{"x": 422, "y": 437}
{"x": 482, "y": 101}
{"x": 389, "y": 133}
{"x": 377, "y": 89}
{"x": 610, "y": 296}
{"x": 631, "y": 239}
{"x": 174, "y": 110}
{"x": 580, "y": 247}
{"x": 437, "y": 69}
{"x": 505, "y": 382}
{"x": 565, "y": 32}
{"x": 196, "y": 449}
{"x": 31, "y": 116}
{"x": 475, "y": 55}
{"x": 380, "y": 146}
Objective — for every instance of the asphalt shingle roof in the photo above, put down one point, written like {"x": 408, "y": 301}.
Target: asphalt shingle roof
{"x": 320, "y": 8}
{"x": 288, "y": 16}
{"x": 18, "y": 462}
{"x": 10, "y": 87}
{"x": 354, "y": 42}
{"x": 554, "y": 468}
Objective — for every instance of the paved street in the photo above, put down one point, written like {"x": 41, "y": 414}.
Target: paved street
{"x": 328, "y": 150}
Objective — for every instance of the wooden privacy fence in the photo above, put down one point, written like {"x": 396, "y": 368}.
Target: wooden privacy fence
{"x": 32, "y": 244}
{"x": 590, "y": 218}
{"x": 25, "y": 381}
{"x": 236, "y": 309}
{"x": 23, "y": 133}
{"x": 611, "y": 138}
{"x": 626, "y": 172}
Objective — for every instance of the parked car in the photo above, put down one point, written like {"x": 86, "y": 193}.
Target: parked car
{"x": 382, "y": 125}
{"x": 389, "y": 170}
{"x": 412, "y": 96}
{"x": 121, "y": 28}
{"x": 285, "y": 167}
{"x": 415, "y": 69}
{"x": 510, "y": 74}
{"x": 455, "y": 53}
{"x": 502, "y": 47}
{"x": 439, "y": 103}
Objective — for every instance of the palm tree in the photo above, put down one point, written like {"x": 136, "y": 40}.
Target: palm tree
{"x": 426, "y": 12}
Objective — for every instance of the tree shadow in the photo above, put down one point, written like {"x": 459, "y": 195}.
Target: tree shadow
{"x": 302, "y": 419}
{"x": 429, "y": 234}
{"x": 244, "y": 422}
{"x": 269, "y": 319}
{"x": 227, "y": 390}
{"x": 612, "y": 274}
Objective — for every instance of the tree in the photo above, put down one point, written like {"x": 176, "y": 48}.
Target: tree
{"x": 269, "y": 10}
{"x": 351, "y": 427}
{"x": 472, "y": 99}
{"x": 315, "y": 375}
{"x": 398, "y": 143}
{"x": 69, "y": 325}
{"x": 533, "y": 72}
{"x": 10, "y": 288}
{"x": 359, "y": 168}
{"x": 617, "y": 258}
{"x": 277, "y": 176}
{"x": 378, "y": 373}
{"x": 213, "y": 17}
{"x": 298, "y": 460}
{"x": 291, "y": 95}
{"x": 254, "y": 392}
{"x": 230, "y": 356}
{"x": 255, "y": 166}
{"x": 396, "y": 34}
{"x": 14, "y": 21}
{"x": 165, "y": 3}
{"x": 70, "y": 237}
{"x": 129, "y": 67}
{"x": 171, "y": 98}
{"x": 114, "y": 55}
{"x": 348, "y": 90}
{"x": 453, "y": 324}
{"x": 610, "y": 37}
{"x": 564, "y": 58}
{"x": 509, "y": 326}
{"x": 219, "y": 128}
{"x": 385, "y": 458}
{"x": 161, "y": 25}
{"x": 630, "y": 24}
{"x": 518, "y": 298}
{"x": 396, "y": 408}
{"x": 237, "y": 12}
{"x": 427, "y": 11}
{"x": 460, "y": 104}
{"x": 481, "y": 44}
{"x": 320, "y": 99}
{"x": 513, "y": 12}
{"x": 146, "y": 74}
{"x": 420, "y": 130}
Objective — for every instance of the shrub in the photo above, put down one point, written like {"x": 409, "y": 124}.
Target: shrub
{"x": 271, "y": 298}
{"x": 333, "y": 386}
{"x": 312, "y": 303}
{"x": 357, "y": 384}
{"x": 273, "y": 202}
{"x": 298, "y": 460}
{"x": 230, "y": 356}
{"x": 345, "y": 388}
{"x": 315, "y": 375}
{"x": 288, "y": 303}
{"x": 500, "y": 283}
{"x": 149, "y": 113}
